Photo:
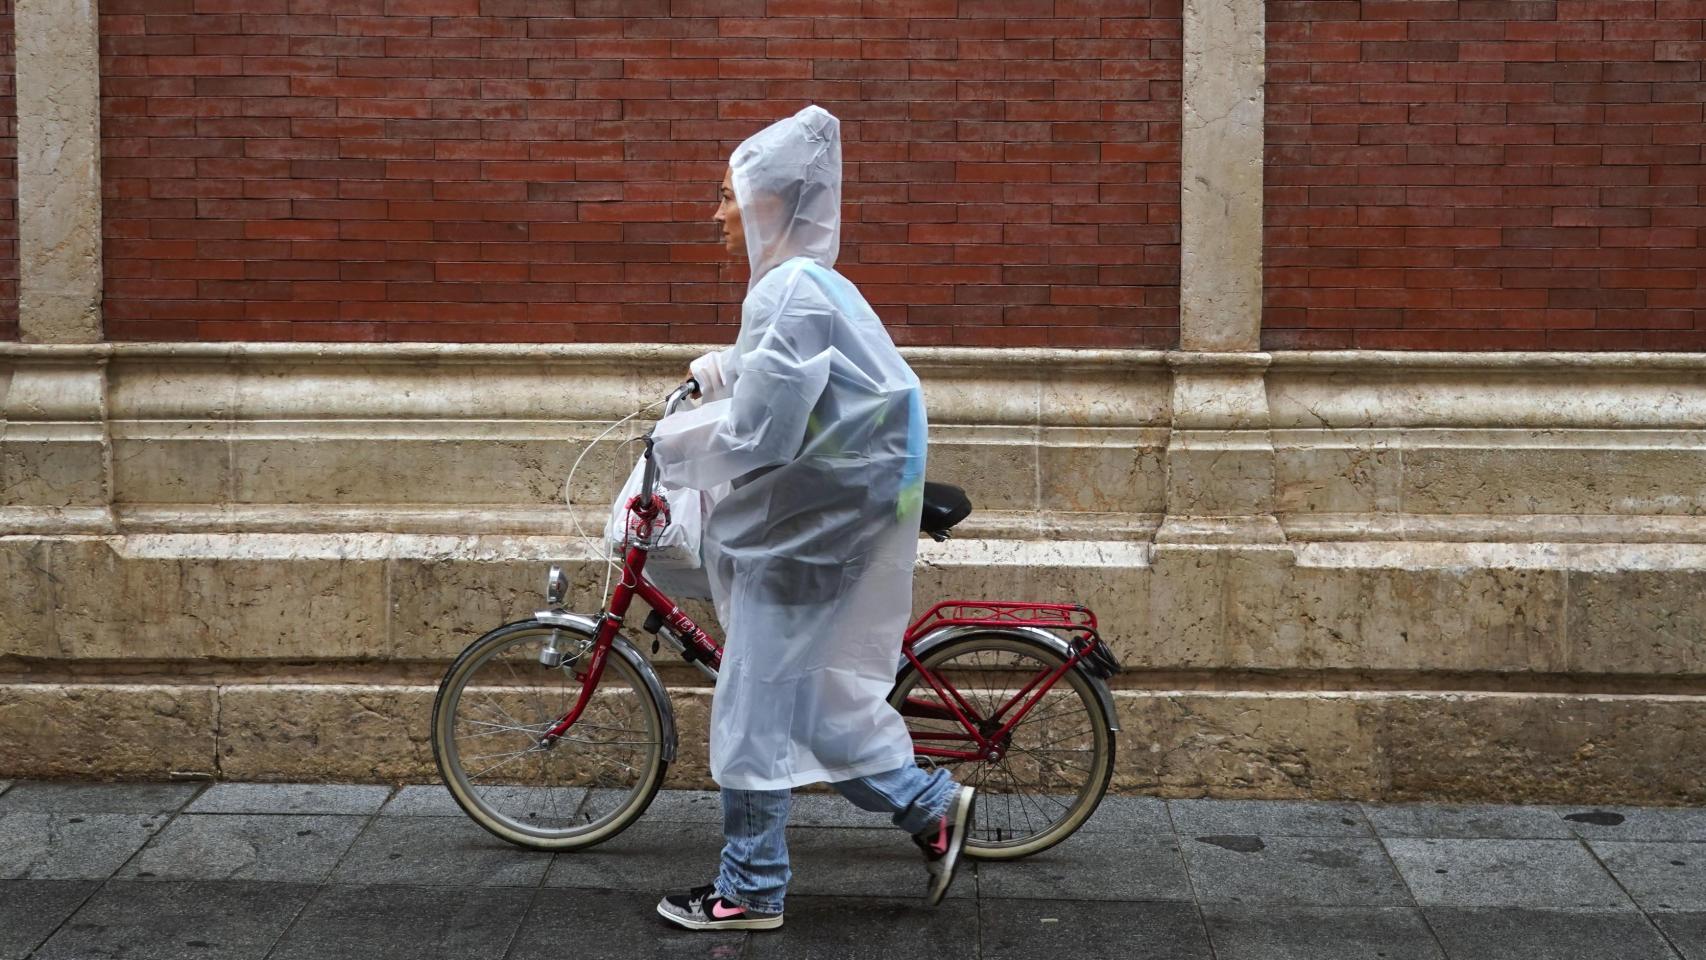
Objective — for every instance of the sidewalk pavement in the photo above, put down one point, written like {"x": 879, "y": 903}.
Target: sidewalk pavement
{"x": 234, "y": 870}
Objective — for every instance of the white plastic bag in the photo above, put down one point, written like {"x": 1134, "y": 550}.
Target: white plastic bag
{"x": 673, "y": 564}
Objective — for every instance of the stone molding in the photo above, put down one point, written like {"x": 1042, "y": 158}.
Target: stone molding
{"x": 1226, "y": 447}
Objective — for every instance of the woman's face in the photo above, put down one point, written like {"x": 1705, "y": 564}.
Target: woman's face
{"x": 728, "y": 218}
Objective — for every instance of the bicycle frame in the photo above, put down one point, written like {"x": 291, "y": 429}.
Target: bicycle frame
{"x": 980, "y": 737}
{"x": 986, "y": 736}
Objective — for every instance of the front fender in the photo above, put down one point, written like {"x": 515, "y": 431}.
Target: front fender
{"x": 587, "y": 626}
{"x": 1048, "y": 638}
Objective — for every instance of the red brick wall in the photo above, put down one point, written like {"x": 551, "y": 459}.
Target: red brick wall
{"x": 500, "y": 170}
{"x": 1486, "y": 174}
{"x": 8, "y": 181}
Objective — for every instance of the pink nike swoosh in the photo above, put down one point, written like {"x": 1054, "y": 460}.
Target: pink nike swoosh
{"x": 717, "y": 911}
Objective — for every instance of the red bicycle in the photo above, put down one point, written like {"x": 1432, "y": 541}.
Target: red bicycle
{"x": 555, "y": 732}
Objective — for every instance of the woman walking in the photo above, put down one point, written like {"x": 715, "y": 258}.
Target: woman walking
{"x": 818, "y": 424}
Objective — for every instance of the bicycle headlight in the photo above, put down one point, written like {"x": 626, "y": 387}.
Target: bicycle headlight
{"x": 556, "y": 587}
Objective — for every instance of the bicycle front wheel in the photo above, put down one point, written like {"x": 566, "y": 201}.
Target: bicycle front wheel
{"x": 1056, "y": 761}
{"x": 496, "y": 703}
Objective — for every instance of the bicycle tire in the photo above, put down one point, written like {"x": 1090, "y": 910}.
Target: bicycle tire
{"x": 1006, "y": 841}
{"x": 589, "y": 823}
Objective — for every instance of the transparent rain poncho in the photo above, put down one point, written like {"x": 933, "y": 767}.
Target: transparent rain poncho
{"x": 822, "y": 435}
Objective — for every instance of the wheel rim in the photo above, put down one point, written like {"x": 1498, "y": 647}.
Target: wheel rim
{"x": 499, "y": 705}
{"x": 1054, "y": 766}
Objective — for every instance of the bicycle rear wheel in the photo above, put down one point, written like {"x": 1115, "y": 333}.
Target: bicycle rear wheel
{"x": 1058, "y": 758}
{"x": 494, "y": 706}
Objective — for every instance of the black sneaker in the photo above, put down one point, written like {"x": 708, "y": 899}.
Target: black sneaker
{"x": 943, "y": 842}
{"x": 702, "y": 909}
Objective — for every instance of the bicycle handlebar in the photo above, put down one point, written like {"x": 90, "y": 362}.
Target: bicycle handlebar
{"x": 648, "y": 481}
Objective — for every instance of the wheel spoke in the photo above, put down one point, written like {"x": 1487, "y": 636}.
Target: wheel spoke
{"x": 1055, "y": 757}
{"x": 499, "y": 690}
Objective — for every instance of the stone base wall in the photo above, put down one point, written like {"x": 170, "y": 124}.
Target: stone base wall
{"x": 1376, "y": 576}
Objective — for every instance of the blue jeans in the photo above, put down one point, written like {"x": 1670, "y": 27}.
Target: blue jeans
{"x": 754, "y": 872}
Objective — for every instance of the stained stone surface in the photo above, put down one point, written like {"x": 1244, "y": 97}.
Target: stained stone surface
{"x": 1687, "y": 931}
{"x": 284, "y": 848}
{"x": 73, "y": 796}
{"x": 1305, "y": 871}
{"x": 240, "y": 920}
{"x": 1515, "y": 873}
{"x": 71, "y": 846}
{"x": 59, "y": 181}
{"x": 436, "y": 851}
{"x": 1268, "y": 818}
{"x": 411, "y": 881}
{"x": 1531, "y": 934}
{"x": 1268, "y": 932}
{"x": 405, "y": 923}
{"x": 1129, "y": 815}
{"x": 30, "y": 910}
{"x": 369, "y": 733}
{"x": 290, "y": 798}
{"x": 626, "y": 926}
{"x": 840, "y": 928}
{"x": 1468, "y": 821}
{"x": 1025, "y": 929}
{"x": 1613, "y": 822}
{"x": 652, "y": 855}
{"x": 421, "y": 800}
{"x": 107, "y": 730}
{"x": 1088, "y": 867}
{"x": 1659, "y": 876}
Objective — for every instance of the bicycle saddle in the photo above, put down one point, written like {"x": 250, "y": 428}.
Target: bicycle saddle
{"x": 944, "y": 506}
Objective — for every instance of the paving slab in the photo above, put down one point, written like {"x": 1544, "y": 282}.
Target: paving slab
{"x": 655, "y": 858}
{"x": 603, "y": 925}
{"x": 1513, "y": 933}
{"x": 65, "y": 846}
{"x": 673, "y": 806}
{"x": 1658, "y": 875}
{"x": 649, "y": 858}
{"x": 859, "y": 928}
{"x": 231, "y": 920}
{"x": 1092, "y": 867}
{"x": 827, "y": 810}
{"x": 1506, "y": 873}
{"x": 425, "y": 800}
{"x": 1457, "y": 821}
{"x": 1636, "y": 823}
{"x": 1245, "y": 932}
{"x": 1686, "y": 931}
{"x": 71, "y": 797}
{"x": 290, "y": 798}
{"x": 1268, "y": 818}
{"x": 1012, "y": 813}
{"x": 1130, "y": 815}
{"x": 433, "y": 800}
{"x": 407, "y": 923}
{"x": 32, "y": 909}
{"x": 437, "y": 851}
{"x": 861, "y": 863}
{"x": 1318, "y": 871}
{"x": 1028, "y": 929}
{"x": 206, "y": 846}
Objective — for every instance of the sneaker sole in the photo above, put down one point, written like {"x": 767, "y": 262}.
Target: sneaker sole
{"x": 962, "y": 829}
{"x": 756, "y": 923}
